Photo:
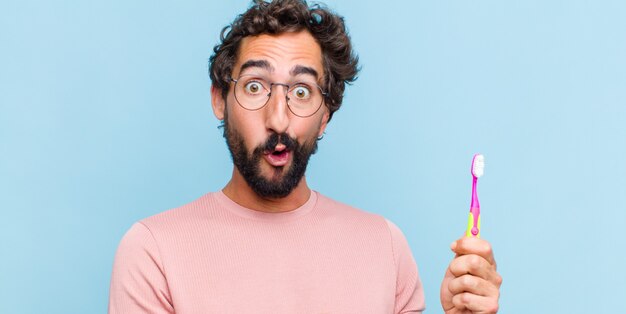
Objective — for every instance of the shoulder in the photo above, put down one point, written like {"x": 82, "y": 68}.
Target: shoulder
{"x": 179, "y": 223}
{"x": 397, "y": 236}
{"x": 203, "y": 208}
{"x": 360, "y": 217}
{"x": 335, "y": 209}
{"x": 340, "y": 208}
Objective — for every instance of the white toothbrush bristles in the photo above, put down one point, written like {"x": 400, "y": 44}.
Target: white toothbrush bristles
{"x": 478, "y": 166}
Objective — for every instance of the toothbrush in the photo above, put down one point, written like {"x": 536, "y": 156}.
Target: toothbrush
{"x": 473, "y": 223}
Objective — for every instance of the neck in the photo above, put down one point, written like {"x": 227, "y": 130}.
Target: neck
{"x": 240, "y": 192}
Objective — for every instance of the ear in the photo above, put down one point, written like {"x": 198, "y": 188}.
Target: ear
{"x": 324, "y": 123}
{"x": 217, "y": 102}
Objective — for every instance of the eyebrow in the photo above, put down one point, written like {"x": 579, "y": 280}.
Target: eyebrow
{"x": 256, "y": 64}
{"x": 263, "y": 64}
{"x": 299, "y": 69}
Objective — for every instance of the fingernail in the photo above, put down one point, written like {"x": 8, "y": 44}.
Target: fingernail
{"x": 453, "y": 246}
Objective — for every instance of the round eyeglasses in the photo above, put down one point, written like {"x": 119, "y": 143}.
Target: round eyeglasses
{"x": 304, "y": 98}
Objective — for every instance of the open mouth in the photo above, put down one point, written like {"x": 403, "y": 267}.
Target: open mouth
{"x": 279, "y": 153}
{"x": 278, "y": 157}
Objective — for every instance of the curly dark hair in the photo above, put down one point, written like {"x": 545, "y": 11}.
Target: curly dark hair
{"x": 281, "y": 16}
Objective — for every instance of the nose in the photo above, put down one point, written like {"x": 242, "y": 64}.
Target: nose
{"x": 277, "y": 112}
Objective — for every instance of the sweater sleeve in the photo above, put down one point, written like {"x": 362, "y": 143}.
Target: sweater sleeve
{"x": 409, "y": 290}
{"x": 138, "y": 282}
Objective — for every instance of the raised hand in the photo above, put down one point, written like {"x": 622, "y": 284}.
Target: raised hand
{"x": 471, "y": 283}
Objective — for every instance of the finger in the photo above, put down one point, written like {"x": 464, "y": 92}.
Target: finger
{"x": 476, "y": 304}
{"x": 473, "y": 245}
{"x": 475, "y": 265}
{"x": 474, "y": 285}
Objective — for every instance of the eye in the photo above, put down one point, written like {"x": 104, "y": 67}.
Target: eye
{"x": 301, "y": 92}
{"x": 253, "y": 87}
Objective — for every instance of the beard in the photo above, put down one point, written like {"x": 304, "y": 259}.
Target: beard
{"x": 284, "y": 178}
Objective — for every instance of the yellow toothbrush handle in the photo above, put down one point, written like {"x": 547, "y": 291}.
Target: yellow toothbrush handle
{"x": 470, "y": 225}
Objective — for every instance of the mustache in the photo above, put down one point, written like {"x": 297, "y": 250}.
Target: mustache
{"x": 275, "y": 138}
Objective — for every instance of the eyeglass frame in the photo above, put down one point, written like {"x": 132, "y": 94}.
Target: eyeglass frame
{"x": 269, "y": 96}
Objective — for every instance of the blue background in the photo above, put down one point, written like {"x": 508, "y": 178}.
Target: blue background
{"x": 105, "y": 118}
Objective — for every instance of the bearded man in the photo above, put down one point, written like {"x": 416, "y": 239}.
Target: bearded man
{"x": 267, "y": 243}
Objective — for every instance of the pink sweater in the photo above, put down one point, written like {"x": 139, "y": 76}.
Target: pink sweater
{"x": 215, "y": 256}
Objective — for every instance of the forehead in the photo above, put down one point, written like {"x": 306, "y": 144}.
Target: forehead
{"x": 282, "y": 52}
